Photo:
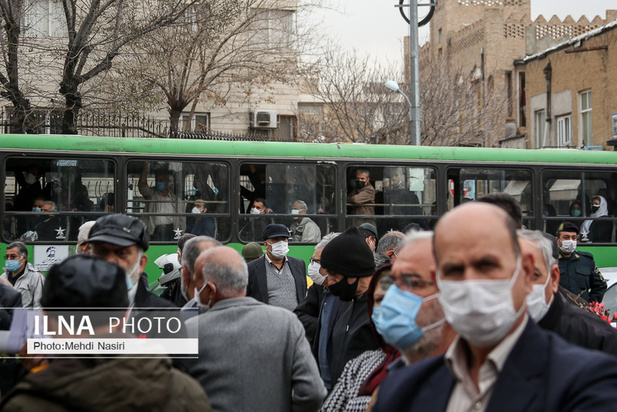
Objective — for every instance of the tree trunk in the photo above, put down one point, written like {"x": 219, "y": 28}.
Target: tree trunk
{"x": 73, "y": 104}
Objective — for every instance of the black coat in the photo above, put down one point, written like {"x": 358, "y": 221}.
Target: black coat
{"x": 308, "y": 310}
{"x": 258, "y": 282}
{"x": 351, "y": 336}
{"x": 580, "y": 275}
{"x": 579, "y": 326}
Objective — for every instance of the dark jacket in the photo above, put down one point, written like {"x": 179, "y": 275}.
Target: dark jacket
{"x": 580, "y": 275}
{"x": 543, "y": 373}
{"x": 308, "y": 310}
{"x": 351, "y": 335}
{"x": 118, "y": 384}
{"x": 579, "y": 326}
{"x": 146, "y": 299}
{"x": 258, "y": 283}
{"x": 600, "y": 231}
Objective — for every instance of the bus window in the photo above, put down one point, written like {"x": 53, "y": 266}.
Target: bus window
{"x": 391, "y": 197}
{"x": 585, "y": 198}
{"x": 42, "y": 191}
{"x": 469, "y": 183}
{"x": 294, "y": 194}
{"x": 173, "y": 198}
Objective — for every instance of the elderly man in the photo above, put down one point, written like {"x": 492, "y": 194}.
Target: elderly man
{"x": 303, "y": 229}
{"x": 192, "y": 250}
{"x": 22, "y": 275}
{"x": 82, "y": 236}
{"x": 275, "y": 278}
{"x": 66, "y": 383}
{"x": 361, "y": 199}
{"x": 343, "y": 329}
{"x": 579, "y": 273}
{"x": 549, "y": 308}
{"x": 123, "y": 240}
{"x": 252, "y": 356}
{"x": 501, "y": 361}
{"x": 390, "y": 244}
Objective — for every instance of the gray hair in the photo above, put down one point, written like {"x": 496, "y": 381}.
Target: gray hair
{"x": 417, "y": 235}
{"x": 302, "y": 204}
{"x": 231, "y": 276}
{"x": 84, "y": 231}
{"x": 539, "y": 241}
{"x": 193, "y": 248}
{"x": 393, "y": 240}
{"x": 326, "y": 239}
{"x": 363, "y": 171}
{"x": 23, "y": 249}
{"x": 54, "y": 208}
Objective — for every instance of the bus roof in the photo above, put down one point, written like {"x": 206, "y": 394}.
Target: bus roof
{"x": 298, "y": 150}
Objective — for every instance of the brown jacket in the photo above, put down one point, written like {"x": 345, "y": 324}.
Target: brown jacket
{"x": 359, "y": 198}
{"x": 118, "y": 384}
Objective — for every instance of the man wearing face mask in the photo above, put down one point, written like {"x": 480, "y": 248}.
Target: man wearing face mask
{"x": 362, "y": 197}
{"x": 257, "y": 221}
{"x": 303, "y": 229}
{"x": 549, "y": 309}
{"x": 277, "y": 279}
{"x": 308, "y": 310}
{"x": 192, "y": 250}
{"x": 578, "y": 271}
{"x": 252, "y": 356}
{"x": 501, "y": 361}
{"x": 123, "y": 240}
{"x": 163, "y": 201}
{"x": 22, "y": 275}
{"x": 343, "y": 330}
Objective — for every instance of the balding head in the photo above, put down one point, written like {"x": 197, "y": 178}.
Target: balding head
{"x": 192, "y": 248}
{"x": 475, "y": 220}
{"x": 225, "y": 268}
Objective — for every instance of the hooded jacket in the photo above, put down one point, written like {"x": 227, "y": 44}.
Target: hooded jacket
{"x": 118, "y": 384}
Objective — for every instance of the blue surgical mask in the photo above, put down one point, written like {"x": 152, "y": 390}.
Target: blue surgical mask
{"x": 129, "y": 283}
{"x": 36, "y": 209}
{"x": 12, "y": 265}
{"x": 160, "y": 186}
{"x": 395, "y": 318}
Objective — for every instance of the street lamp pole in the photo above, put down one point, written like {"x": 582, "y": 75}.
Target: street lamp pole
{"x": 415, "y": 115}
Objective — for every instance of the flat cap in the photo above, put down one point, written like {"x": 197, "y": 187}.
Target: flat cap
{"x": 120, "y": 230}
{"x": 348, "y": 255}
{"x": 252, "y": 251}
{"x": 275, "y": 230}
{"x": 370, "y": 228}
{"x": 567, "y": 227}
{"x": 85, "y": 281}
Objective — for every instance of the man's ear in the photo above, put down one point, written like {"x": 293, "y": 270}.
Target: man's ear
{"x": 528, "y": 269}
{"x": 555, "y": 276}
{"x": 143, "y": 262}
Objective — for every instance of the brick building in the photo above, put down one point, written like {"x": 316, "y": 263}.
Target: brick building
{"x": 482, "y": 38}
{"x": 570, "y": 91}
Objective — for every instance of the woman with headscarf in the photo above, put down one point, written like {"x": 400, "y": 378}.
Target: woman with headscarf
{"x": 597, "y": 231}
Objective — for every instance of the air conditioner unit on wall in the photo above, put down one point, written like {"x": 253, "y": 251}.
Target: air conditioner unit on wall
{"x": 264, "y": 119}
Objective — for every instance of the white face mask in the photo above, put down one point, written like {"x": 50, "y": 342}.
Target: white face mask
{"x": 568, "y": 246}
{"x": 536, "y": 301}
{"x": 30, "y": 178}
{"x": 255, "y": 211}
{"x": 195, "y": 210}
{"x": 313, "y": 272}
{"x": 280, "y": 249}
{"x": 481, "y": 311}
{"x": 198, "y": 298}
{"x": 295, "y": 212}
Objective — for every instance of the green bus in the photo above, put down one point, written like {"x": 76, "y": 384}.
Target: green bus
{"x": 87, "y": 177}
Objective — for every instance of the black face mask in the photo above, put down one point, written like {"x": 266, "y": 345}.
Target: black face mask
{"x": 595, "y": 208}
{"x": 360, "y": 184}
{"x": 344, "y": 290}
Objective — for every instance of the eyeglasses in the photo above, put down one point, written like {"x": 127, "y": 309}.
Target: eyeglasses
{"x": 411, "y": 281}
{"x": 385, "y": 282}
{"x": 11, "y": 257}
{"x": 318, "y": 261}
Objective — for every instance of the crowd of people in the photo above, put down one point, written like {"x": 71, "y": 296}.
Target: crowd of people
{"x": 479, "y": 314}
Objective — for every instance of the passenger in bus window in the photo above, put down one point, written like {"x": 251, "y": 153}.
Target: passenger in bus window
{"x": 597, "y": 230}
{"x": 257, "y": 177}
{"x": 68, "y": 191}
{"x": 29, "y": 187}
{"x": 201, "y": 225}
{"x": 303, "y": 229}
{"x": 255, "y": 225}
{"x": 107, "y": 203}
{"x": 361, "y": 199}
{"x": 49, "y": 226}
{"x": 162, "y": 200}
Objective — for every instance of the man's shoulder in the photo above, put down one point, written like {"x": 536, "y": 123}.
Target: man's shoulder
{"x": 584, "y": 255}
{"x": 33, "y": 272}
{"x": 257, "y": 263}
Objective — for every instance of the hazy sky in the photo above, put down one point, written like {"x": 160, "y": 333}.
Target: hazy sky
{"x": 376, "y": 28}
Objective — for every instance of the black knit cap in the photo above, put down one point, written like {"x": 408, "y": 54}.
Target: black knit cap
{"x": 348, "y": 255}
{"x": 85, "y": 281}
{"x": 120, "y": 230}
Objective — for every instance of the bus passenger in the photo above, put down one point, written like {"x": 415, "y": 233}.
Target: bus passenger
{"x": 361, "y": 199}
{"x": 594, "y": 230}
{"x": 256, "y": 223}
{"x": 303, "y": 229}
{"x": 50, "y": 227}
{"x": 201, "y": 225}
{"x": 22, "y": 275}
{"x": 162, "y": 201}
